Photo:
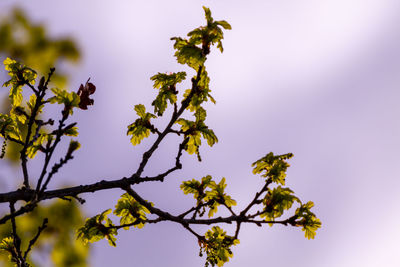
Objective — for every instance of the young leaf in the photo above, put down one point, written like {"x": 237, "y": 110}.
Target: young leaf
{"x": 197, "y": 188}
{"x": 62, "y": 96}
{"x": 130, "y": 211}
{"x": 73, "y": 131}
{"x": 142, "y": 127}
{"x": 308, "y": 220}
{"x": 9, "y": 127}
{"x": 217, "y": 245}
{"x": 194, "y": 130}
{"x": 276, "y": 202}
{"x": 20, "y": 75}
{"x": 188, "y": 53}
{"x": 7, "y": 245}
{"x": 140, "y": 110}
{"x": 37, "y": 145}
{"x": 217, "y": 196}
{"x": 97, "y": 228}
{"x": 273, "y": 166}
{"x": 166, "y": 83}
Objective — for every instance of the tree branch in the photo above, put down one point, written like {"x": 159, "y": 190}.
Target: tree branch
{"x": 50, "y": 152}
{"x": 255, "y": 199}
{"x": 40, "y": 95}
{"x": 185, "y": 103}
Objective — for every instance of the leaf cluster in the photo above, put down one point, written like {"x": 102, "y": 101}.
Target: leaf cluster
{"x": 208, "y": 194}
{"x": 217, "y": 245}
{"x": 62, "y": 96}
{"x": 308, "y": 220}
{"x": 29, "y": 42}
{"x": 273, "y": 166}
{"x": 166, "y": 84}
{"x": 20, "y": 75}
{"x": 276, "y": 201}
{"x": 59, "y": 237}
{"x": 7, "y": 246}
{"x": 23, "y": 115}
{"x": 142, "y": 127}
{"x": 97, "y": 228}
{"x": 194, "y": 130}
{"x": 201, "y": 92}
{"x": 280, "y": 199}
{"x": 193, "y": 51}
{"x": 132, "y": 213}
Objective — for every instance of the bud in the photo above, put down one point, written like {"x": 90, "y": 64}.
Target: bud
{"x": 73, "y": 145}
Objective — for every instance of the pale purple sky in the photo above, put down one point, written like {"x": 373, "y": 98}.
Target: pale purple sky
{"x": 316, "y": 78}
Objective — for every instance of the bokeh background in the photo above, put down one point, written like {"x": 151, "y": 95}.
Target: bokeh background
{"x": 316, "y": 78}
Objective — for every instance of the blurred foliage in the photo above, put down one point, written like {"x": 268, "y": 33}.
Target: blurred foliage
{"x": 29, "y": 43}
{"x": 58, "y": 238}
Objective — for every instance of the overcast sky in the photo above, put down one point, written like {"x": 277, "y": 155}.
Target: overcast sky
{"x": 316, "y": 78}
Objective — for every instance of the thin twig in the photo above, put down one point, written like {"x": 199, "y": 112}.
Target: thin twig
{"x": 24, "y": 209}
{"x": 50, "y": 152}
{"x": 35, "y": 238}
{"x": 185, "y": 103}
{"x": 33, "y": 88}
{"x": 39, "y": 97}
{"x": 16, "y": 239}
{"x": 255, "y": 199}
{"x": 53, "y": 171}
{"x": 135, "y": 223}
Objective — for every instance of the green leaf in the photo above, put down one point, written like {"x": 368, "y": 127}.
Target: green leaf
{"x": 308, "y": 220}
{"x": 18, "y": 114}
{"x": 142, "y": 127}
{"x": 197, "y": 188}
{"x": 276, "y": 202}
{"x": 7, "y": 245}
{"x": 217, "y": 196}
{"x": 207, "y": 12}
{"x": 140, "y": 110}
{"x": 73, "y": 131}
{"x": 201, "y": 93}
{"x": 209, "y": 135}
{"x": 224, "y": 24}
{"x": 208, "y": 192}
{"x": 97, "y": 228}
{"x": 166, "y": 83}
{"x": 194, "y": 130}
{"x": 10, "y": 64}
{"x": 16, "y": 95}
{"x": 138, "y": 133}
{"x": 69, "y": 99}
{"x": 20, "y": 75}
{"x": 188, "y": 53}
{"x": 217, "y": 245}
{"x": 161, "y": 102}
{"x": 163, "y": 80}
{"x": 9, "y": 127}
{"x": 200, "y": 114}
{"x": 272, "y": 166}
{"x": 130, "y": 211}
{"x": 37, "y": 145}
